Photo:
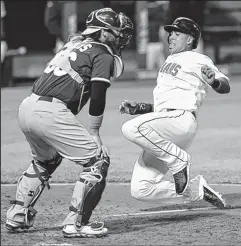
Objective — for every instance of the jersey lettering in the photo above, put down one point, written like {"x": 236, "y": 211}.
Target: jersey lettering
{"x": 85, "y": 47}
{"x": 166, "y": 69}
{"x": 73, "y": 56}
{"x": 170, "y": 68}
{"x": 162, "y": 67}
{"x": 180, "y": 85}
{"x": 175, "y": 69}
{"x": 56, "y": 70}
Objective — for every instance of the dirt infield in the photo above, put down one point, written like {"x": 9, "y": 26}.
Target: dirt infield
{"x": 131, "y": 222}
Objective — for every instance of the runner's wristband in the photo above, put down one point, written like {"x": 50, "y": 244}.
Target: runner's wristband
{"x": 143, "y": 108}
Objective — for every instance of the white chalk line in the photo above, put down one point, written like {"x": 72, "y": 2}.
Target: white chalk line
{"x": 149, "y": 213}
{"x": 116, "y": 184}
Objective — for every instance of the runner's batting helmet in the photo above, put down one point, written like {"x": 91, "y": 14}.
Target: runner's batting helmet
{"x": 185, "y": 25}
{"x": 105, "y": 18}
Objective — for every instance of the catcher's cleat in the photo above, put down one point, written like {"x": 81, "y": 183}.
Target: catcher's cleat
{"x": 181, "y": 180}
{"x": 95, "y": 229}
{"x": 13, "y": 226}
{"x": 211, "y": 196}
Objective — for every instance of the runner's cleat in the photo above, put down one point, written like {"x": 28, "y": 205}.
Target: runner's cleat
{"x": 182, "y": 180}
{"x": 211, "y": 196}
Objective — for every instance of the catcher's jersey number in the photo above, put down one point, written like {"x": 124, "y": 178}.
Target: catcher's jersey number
{"x": 73, "y": 56}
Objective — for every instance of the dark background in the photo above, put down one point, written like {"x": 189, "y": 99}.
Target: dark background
{"x": 24, "y": 24}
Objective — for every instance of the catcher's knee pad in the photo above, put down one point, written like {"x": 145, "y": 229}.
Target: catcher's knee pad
{"x": 29, "y": 188}
{"x": 88, "y": 190}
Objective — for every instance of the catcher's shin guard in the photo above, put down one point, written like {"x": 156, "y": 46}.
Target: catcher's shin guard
{"x": 29, "y": 188}
{"x": 88, "y": 191}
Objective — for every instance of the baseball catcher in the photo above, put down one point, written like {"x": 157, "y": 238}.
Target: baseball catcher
{"x": 80, "y": 71}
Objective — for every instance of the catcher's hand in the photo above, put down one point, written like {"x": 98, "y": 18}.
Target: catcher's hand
{"x": 128, "y": 107}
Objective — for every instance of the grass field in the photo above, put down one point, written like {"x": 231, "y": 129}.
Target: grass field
{"x": 215, "y": 150}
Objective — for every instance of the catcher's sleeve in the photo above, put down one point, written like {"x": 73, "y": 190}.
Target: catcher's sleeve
{"x": 98, "y": 98}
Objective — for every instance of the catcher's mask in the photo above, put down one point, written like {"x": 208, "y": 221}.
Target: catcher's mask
{"x": 104, "y": 18}
{"x": 185, "y": 25}
{"x": 127, "y": 29}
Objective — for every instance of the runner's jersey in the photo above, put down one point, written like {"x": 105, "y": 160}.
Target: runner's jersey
{"x": 180, "y": 84}
{"x": 68, "y": 76}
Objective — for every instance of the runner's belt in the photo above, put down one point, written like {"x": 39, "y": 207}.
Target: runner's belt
{"x": 172, "y": 109}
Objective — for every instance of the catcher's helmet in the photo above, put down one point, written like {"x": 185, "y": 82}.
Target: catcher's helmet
{"x": 104, "y": 18}
{"x": 185, "y": 25}
{"x": 127, "y": 29}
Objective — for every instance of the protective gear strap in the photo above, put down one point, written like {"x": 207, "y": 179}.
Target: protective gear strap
{"x": 32, "y": 210}
{"x": 86, "y": 182}
{"x": 37, "y": 194}
{"x": 17, "y": 202}
{"x": 52, "y": 164}
{"x": 99, "y": 169}
{"x": 119, "y": 66}
{"x": 39, "y": 175}
{"x": 72, "y": 208}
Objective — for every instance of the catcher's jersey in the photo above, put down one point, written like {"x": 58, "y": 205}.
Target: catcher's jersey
{"x": 68, "y": 76}
{"x": 180, "y": 84}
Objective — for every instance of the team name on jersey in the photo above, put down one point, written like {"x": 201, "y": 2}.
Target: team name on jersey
{"x": 170, "y": 68}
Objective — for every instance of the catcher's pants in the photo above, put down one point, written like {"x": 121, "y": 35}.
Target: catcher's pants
{"x": 51, "y": 127}
{"x": 163, "y": 136}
